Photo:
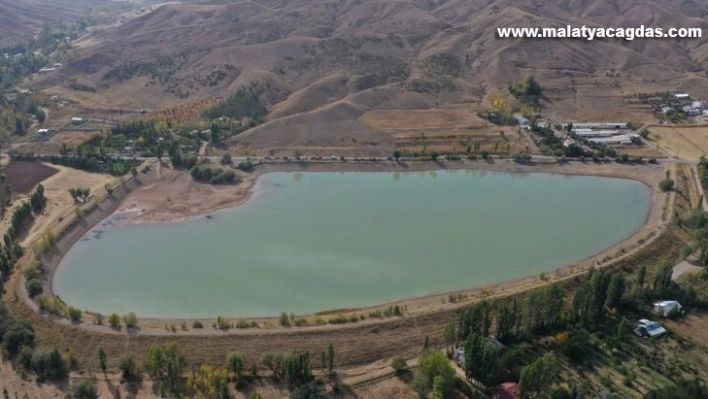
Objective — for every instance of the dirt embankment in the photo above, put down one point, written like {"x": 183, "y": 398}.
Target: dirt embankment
{"x": 357, "y": 343}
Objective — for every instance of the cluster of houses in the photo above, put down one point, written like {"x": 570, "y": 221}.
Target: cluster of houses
{"x": 684, "y": 102}
{"x": 48, "y": 69}
{"x": 603, "y": 133}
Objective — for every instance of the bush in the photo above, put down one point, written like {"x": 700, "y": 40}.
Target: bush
{"x": 128, "y": 367}
{"x": 17, "y": 335}
{"x": 666, "y": 185}
{"x": 74, "y": 314}
{"x": 284, "y": 319}
{"x": 114, "y": 320}
{"x": 197, "y": 324}
{"x": 48, "y": 364}
{"x": 98, "y": 319}
{"x": 399, "y": 364}
{"x": 34, "y": 287}
{"x": 130, "y": 320}
{"x": 84, "y": 389}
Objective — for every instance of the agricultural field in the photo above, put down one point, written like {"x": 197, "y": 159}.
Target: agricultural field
{"x": 422, "y": 119}
{"x": 23, "y": 176}
{"x": 686, "y": 142}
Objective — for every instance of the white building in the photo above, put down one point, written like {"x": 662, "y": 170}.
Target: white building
{"x": 585, "y": 133}
{"x": 77, "y": 121}
{"x": 595, "y": 125}
{"x": 666, "y": 308}
{"x": 619, "y": 139}
{"x": 681, "y": 96}
{"x": 647, "y": 328}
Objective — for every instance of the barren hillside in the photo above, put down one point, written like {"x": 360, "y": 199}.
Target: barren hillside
{"x": 319, "y": 66}
{"x": 20, "y": 20}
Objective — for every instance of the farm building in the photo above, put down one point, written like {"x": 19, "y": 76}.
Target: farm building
{"x": 646, "y": 329}
{"x": 522, "y": 121}
{"x": 584, "y": 133}
{"x": 665, "y": 308}
{"x": 619, "y": 139}
{"x": 593, "y": 125}
{"x": 681, "y": 96}
{"x": 507, "y": 390}
{"x": 77, "y": 121}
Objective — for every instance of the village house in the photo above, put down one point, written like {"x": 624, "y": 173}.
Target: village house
{"x": 649, "y": 329}
{"x": 667, "y": 308}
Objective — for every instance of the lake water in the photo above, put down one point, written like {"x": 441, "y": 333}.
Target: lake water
{"x": 313, "y": 241}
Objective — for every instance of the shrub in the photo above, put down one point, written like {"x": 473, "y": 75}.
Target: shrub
{"x": 284, "y": 319}
{"x": 84, "y": 389}
{"x": 98, "y": 319}
{"x": 34, "y": 287}
{"x": 222, "y": 323}
{"x": 399, "y": 364}
{"x": 114, "y": 320}
{"x": 16, "y": 336}
{"x": 48, "y": 364}
{"x": 127, "y": 366}
{"x": 74, "y": 314}
{"x": 666, "y": 185}
{"x": 197, "y": 324}
{"x": 130, "y": 320}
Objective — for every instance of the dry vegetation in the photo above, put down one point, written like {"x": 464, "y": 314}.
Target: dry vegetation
{"x": 346, "y": 76}
{"x": 686, "y": 142}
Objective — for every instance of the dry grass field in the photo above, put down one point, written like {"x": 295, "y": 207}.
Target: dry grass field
{"x": 426, "y": 119}
{"x": 686, "y": 142}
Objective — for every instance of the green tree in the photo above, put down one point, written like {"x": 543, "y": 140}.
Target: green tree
{"x": 102, "y": 361}
{"x": 130, "y": 320}
{"x": 435, "y": 365}
{"x": 644, "y": 133}
{"x": 641, "y": 275}
{"x": 537, "y": 378}
{"x": 48, "y": 365}
{"x": 114, "y": 320}
{"x": 235, "y": 363}
{"x": 274, "y": 362}
{"x": 34, "y": 287}
{"x": 397, "y": 154}
{"x": 399, "y": 364}
{"x": 226, "y": 159}
{"x": 74, "y": 314}
{"x": 330, "y": 358}
{"x": 128, "y": 366}
{"x": 666, "y": 185}
{"x": 505, "y": 323}
{"x": 662, "y": 279}
{"x": 165, "y": 364}
{"x": 615, "y": 290}
{"x": 133, "y": 171}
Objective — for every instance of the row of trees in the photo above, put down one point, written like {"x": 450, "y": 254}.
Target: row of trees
{"x": 167, "y": 365}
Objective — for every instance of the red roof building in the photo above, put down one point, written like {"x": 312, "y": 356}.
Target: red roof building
{"x": 507, "y": 390}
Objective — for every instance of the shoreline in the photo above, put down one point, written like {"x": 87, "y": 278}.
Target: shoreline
{"x": 644, "y": 174}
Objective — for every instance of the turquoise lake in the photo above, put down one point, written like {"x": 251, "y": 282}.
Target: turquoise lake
{"x": 314, "y": 241}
